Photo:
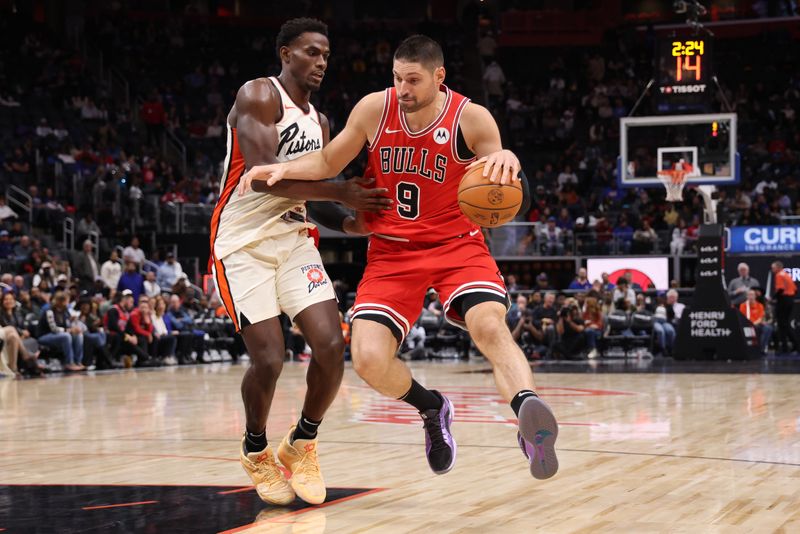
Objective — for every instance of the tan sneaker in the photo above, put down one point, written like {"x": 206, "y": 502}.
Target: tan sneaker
{"x": 267, "y": 477}
{"x": 301, "y": 459}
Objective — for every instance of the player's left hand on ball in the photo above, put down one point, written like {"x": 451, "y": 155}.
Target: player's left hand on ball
{"x": 271, "y": 174}
{"x": 502, "y": 166}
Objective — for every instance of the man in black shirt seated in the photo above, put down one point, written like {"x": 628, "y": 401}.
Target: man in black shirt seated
{"x": 570, "y": 328}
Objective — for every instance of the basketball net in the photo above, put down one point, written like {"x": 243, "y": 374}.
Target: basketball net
{"x": 674, "y": 180}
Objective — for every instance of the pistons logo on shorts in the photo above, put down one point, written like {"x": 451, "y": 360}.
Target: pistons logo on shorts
{"x": 315, "y": 275}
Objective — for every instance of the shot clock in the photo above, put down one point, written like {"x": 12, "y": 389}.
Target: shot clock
{"x": 684, "y": 69}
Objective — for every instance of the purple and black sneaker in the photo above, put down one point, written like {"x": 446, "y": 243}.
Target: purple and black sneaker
{"x": 440, "y": 446}
{"x": 537, "y": 435}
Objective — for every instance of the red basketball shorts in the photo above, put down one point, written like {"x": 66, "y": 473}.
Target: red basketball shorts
{"x": 399, "y": 274}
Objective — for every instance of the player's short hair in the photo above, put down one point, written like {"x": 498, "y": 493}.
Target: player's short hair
{"x": 420, "y": 49}
{"x": 293, "y": 28}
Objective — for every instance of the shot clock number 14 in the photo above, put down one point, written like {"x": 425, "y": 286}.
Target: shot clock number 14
{"x": 688, "y": 57}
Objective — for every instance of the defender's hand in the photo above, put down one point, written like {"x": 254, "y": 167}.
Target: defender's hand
{"x": 270, "y": 174}
{"x": 355, "y": 226}
{"x": 503, "y": 166}
{"x": 355, "y": 195}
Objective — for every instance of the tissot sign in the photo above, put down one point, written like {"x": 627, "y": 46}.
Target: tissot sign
{"x": 763, "y": 239}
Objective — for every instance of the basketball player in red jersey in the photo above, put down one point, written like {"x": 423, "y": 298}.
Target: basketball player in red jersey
{"x": 421, "y": 138}
{"x": 265, "y": 263}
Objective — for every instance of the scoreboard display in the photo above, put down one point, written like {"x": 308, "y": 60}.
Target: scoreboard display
{"x": 684, "y": 70}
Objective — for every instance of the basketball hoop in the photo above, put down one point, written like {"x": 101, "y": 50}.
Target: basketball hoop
{"x": 674, "y": 181}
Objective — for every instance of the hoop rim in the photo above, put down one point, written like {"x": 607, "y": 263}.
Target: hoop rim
{"x": 676, "y": 176}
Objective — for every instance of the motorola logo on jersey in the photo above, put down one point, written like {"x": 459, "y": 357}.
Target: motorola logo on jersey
{"x": 441, "y": 135}
{"x": 299, "y": 146}
{"x": 406, "y": 160}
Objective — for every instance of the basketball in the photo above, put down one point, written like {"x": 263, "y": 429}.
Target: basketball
{"x": 485, "y": 203}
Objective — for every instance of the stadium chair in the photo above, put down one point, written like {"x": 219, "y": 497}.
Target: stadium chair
{"x": 615, "y": 340}
{"x": 643, "y": 333}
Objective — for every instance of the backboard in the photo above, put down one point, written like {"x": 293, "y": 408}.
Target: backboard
{"x": 703, "y": 144}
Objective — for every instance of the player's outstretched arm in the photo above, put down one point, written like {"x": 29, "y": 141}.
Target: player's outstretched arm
{"x": 329, "y": 161}
{"x": 257, "y": 108}
{"x": 483, "y": 138}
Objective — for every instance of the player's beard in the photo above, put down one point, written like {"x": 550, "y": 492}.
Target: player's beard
{"x": 414, "y": 105}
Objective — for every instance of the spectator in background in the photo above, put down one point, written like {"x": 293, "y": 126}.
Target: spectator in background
{"x": 154, "y": 118}
{"x": 486, "y": 47}
{"x": 166, "y": 337}
{"x": 19, "y": 285}
{"x": 623, "y": 292}
{"x": 593, "y": 321}
{"x": 87, "y": 226}
{"x": 571, "y": 330}
{"x": 131, "y": 280}
{"x": 151, "y": 288}
{"x": 581, "y": 282}
{"x": 664, "y": 330}
{"x": 56, "y": 330}
{"x": 140, "y": 325}
{"x": 168, "y": 272}
{"x": 633, "y": 285}
{"x": 739, "y": 286}
{"x": 607, "y": 284}
{"x": 19, "y": 167}
{"x": 45, "y": 274}
{"x": 678, "y": 242}
{"x": 524, "y": 332}
{"x": 122, "y": 345}
{"x": 511, "y": 283}
{"x": 623, "y": 233}
{"x": 189, "y": 339}
{"x": 544, "y": 318}
{"x": 543, "y": 283}
{"x": 94, "y": 337}
{"x": 754, "y": 311}
{"x": 5, "y": 211}
{"x": 693, "y": 232}
{"x": 551, "y": 238}
{"x": 567, "y": 176}
{"x": 783, "y": 295}
{"x": 111, "y": 271}
{"x": 6, "y": 246}
{"x": 133, "y": 253}
{"x": 84, "y": 266}
{"x": 22, "y": 252}
{"x": 13, "y": 333}
{"x": 494, "y": 81}
{"x": 644, "y": 238}
{"x": 434, "y": 307}
{"x": 27, "y": 305}
{"x": 674, "y": 308}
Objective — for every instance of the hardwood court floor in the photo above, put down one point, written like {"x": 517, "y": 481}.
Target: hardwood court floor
{"x": 638, "y": 452}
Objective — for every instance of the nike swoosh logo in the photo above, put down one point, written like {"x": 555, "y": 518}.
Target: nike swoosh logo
{"x": 474, "y": 233}
{"x": 388, "y": 131}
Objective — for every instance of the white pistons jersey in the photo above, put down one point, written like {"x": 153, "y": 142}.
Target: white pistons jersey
{"x": 239, "y": 221}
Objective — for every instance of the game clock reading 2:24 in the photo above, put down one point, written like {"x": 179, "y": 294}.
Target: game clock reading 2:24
{"x": 684, "y": 67}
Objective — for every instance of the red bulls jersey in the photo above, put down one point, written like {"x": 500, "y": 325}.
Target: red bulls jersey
{"x": 422, "y": 171}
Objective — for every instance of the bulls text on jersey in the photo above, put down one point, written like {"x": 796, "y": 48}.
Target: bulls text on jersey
{"x": 406, "y": 160}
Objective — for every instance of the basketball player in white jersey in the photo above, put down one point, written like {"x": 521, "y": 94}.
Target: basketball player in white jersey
{"x": 265, "y": 263}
